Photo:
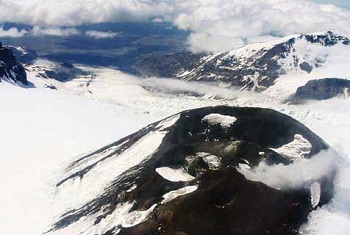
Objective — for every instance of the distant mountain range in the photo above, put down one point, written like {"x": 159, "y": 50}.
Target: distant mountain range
{"x": 253, "y": 66}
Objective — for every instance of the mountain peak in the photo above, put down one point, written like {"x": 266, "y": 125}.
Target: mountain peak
{"x": 10, "y": 70}
{"x": 328, "y": 38}
{"x": 257, "y": 66}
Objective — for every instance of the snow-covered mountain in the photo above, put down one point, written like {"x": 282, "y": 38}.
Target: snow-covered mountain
{"x": 10, "y": 69}
{"x": 176, "y": 175}
{"x": 259, "y": 65}
{"x": 255, "y": 65}
{"x": 17, "y": 61}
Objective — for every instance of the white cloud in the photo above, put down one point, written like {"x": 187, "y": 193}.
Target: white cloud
{"x": 214, "y": 24}
{"x": 297, "y": 175}
{"x": 37, "y": 31}
{"x": 54, "y": 31}
{"x": 74, "y": 12}
{"x": 100, "y": 34}
{"x": 158, "y": 20}
{"x": 221, "y": 24}
{"x": 12, "y": 32}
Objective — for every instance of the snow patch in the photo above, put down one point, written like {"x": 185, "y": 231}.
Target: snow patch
{"x": 174, "y": 175}
{"x": 118, "y": 217}
{"x": 137, "y": 217}
{"x": 225, "y": 121}
{"x": 132, "y": 188}
{"x": 315, "y": 194}
{"x": 298, "y": 148}
{"x": 177, "y": 193}
{"x": 244, "y": 166}
{"x": 214, "y": 162}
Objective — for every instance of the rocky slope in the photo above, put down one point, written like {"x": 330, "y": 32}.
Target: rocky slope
{"x": 23, "y": 55}
{"x": 186, "y": 175}
{"x": 322, "y": 89}
{"x": 62, "y": 72}
{"x": 10, "y": 69}
{"x": 16, "y": 60}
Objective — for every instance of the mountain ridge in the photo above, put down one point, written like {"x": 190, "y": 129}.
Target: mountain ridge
{"x": 10, "y": 69}
{"x": 254, "y": 66}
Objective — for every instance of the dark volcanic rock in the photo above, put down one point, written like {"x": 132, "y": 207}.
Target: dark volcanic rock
{"x": 306, "y": 67}
{"x": 224, "y": 202}
{"x": 227, "y": 203}
{"x": 50, "y": 86}
{"x": 10, "y": 69}
{"x": 322, "y": 89}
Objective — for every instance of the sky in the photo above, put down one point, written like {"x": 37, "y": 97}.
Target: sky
{"x": 215, "y": 25}
{"x": 340, "y": 3}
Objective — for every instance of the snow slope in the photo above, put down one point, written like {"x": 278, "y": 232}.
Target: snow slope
{"x": 41, "y": 130}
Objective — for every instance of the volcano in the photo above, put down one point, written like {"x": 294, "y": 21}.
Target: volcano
{"x": 183, "y": 175}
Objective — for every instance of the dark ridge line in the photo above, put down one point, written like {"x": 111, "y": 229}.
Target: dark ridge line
{"x": 133, "y": 138}
{"x": 109, "y": 146}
